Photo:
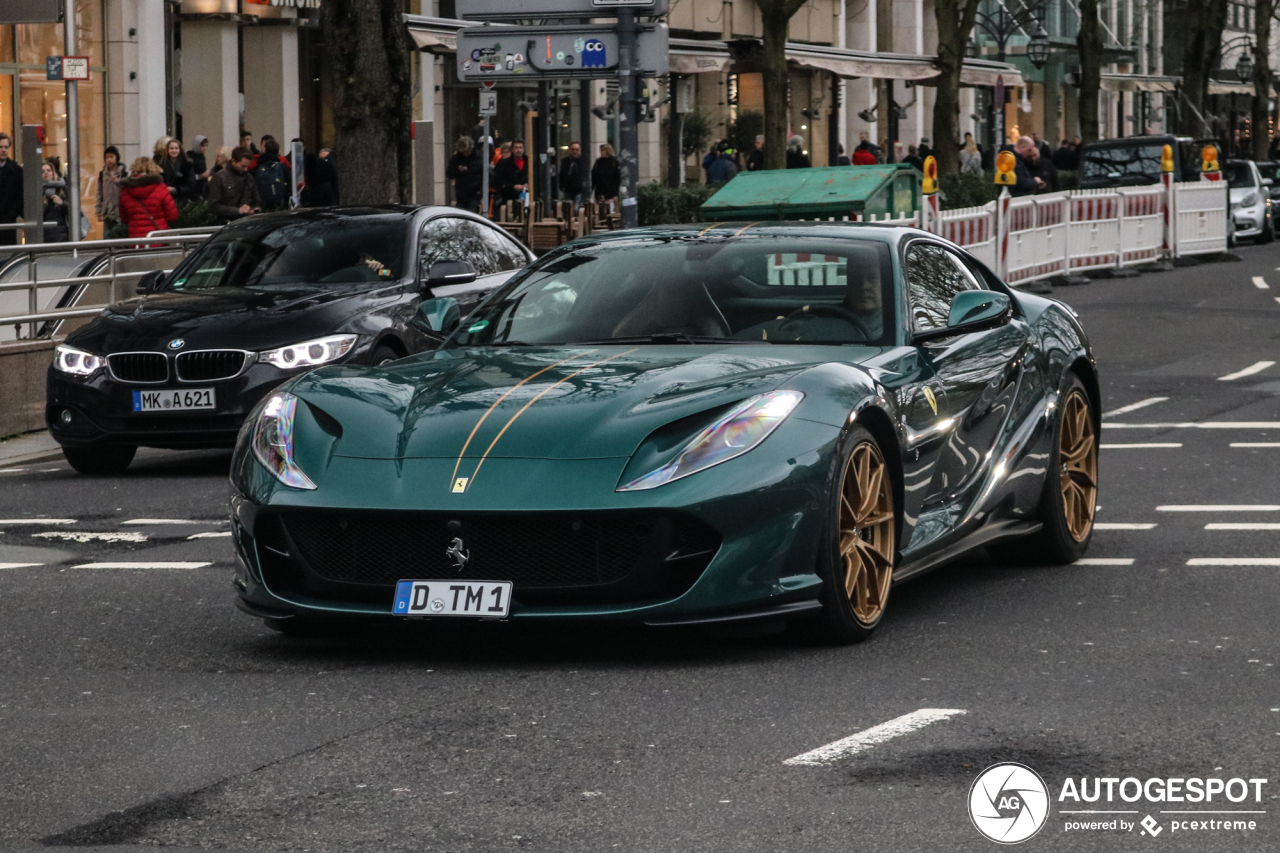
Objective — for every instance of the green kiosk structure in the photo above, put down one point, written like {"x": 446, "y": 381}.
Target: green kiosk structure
{"x": 824, "y": 193}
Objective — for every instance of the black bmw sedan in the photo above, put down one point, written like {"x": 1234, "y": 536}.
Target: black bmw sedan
{"x": 266, "y": 298}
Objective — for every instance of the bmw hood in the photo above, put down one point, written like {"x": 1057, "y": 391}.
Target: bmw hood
{"x": 228, "y": 317}
{"x": 543, "y": 403}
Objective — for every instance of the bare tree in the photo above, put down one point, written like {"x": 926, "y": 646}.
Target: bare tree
{"x": 776, "y": 16}
{"x": 955, "y": 25}
{"x": 1089, "y": 43}
{"x": 367, "y": 53}
{"x": 1260, "y": 125}
{"x": 1201, "y": 22}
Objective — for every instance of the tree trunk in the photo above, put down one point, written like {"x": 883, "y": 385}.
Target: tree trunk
{"x": 1260, "y": 125}
{"x": 776, "y": 16}
{"x": 955, "y": 24}
{"x": 1089, "y": 43}
{"x": 1204, "y": 21}
{"x": 366, "y": 48}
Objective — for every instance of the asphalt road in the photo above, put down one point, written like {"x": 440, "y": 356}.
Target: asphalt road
{"x": 139, "y": 708}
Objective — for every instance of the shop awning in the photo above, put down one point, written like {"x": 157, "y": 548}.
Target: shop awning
{"x": 693, "y": 56}
{"x": 1217, "y": 87}
{"x": 1139, "y": 83}
{"x": 859, "y": 63}
{"x": 435, "y": 35}
{"x": 983, "y": 72}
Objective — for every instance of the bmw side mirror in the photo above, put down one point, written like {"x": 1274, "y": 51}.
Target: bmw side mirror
{"x": 450, "y": 272}
{"x": 152, "y": 282}
{"x": 439, "y": 316}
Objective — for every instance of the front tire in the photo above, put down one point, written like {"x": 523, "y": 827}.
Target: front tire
{"x": 383, "y": 355}
{"x": 858, "y": 554}
{"x": 100, "y": 460}
{"x": 1268, "y": 229}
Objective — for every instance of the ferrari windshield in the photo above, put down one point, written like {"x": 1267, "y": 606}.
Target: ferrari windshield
{"x": 300, "y": 254}
{"x": 777, "y": 290}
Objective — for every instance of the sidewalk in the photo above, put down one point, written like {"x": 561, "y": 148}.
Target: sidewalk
{"x": 30, "y": 447}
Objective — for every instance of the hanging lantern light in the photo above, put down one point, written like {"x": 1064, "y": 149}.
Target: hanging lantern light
{"x": 1244, "y": 66}
{"x": 1038, "y": 47}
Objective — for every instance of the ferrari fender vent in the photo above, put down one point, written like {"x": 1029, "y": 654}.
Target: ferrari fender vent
{"x": 139, "y": 366}
{"x": 635, "y": 556}
{"x": 210, "y": 365}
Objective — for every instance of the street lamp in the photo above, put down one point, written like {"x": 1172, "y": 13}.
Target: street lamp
{"x": 1244, "y": 66}
{"x": 1038, "y": 47}
{"x": 971, "y": 49}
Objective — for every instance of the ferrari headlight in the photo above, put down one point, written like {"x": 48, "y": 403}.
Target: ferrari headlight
{"x": 1250, "y": 200}
{"x": 740, "y": 430}
{"x": 76, "y": 362}
{"x": 310, "y": 353}
{"x": 273, "y": 441}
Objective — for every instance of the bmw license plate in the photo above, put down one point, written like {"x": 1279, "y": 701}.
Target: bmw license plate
{"x": 173, "y": 400}
{"x": 482, "y": 599}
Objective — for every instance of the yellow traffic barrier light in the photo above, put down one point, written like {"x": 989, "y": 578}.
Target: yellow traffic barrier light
{"x": 1166, "y": 159}
{"x": 930, "y": 185}
{"x": 1006, "y": 162}
{"x": 1209, "y": 158}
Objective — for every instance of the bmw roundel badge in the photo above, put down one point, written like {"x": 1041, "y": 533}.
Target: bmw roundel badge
{"x": 177, "y": 343}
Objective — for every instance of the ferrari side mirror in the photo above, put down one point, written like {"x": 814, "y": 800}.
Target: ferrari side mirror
{"x": 978, "y": 307}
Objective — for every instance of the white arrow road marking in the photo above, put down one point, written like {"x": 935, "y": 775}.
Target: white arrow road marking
{"x": 1133, "y": 407}
{"x": 1257, "y": 367}
{"x": 142, "y": 565}
{"x": 1260, "y": 283}
{"x": 1152, "y": 445}
{"x": 868, "y": 738}
{"x": 1213, "y": 425}
{"x": 19, "y": 565}
{"x": 1105, "y": 561}
{"x": 1219, "y": 508}
{"x": 1226, "y": 525}
{"x": 9, "y": 522}
{"x": 1119, "y": 525}
{"x": 1234, "y": 561}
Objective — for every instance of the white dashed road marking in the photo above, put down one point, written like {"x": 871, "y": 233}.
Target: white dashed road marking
{"x": 1255, "y": 444}
{"x": 150, "y": 521}
{"x": 1105, "y": 561}
{"x": 865, "y": 740}
{"x": 1133, "y": 407}
{"x": 9, "y": 522}
{"x": 1219, "y": 508}
{"x": 19, "y": 565}
{"x": 1260, "y": 283}
{"x": 1151, "y": 446}
{"x": 1120, "y": 525}
{"x": 83, "y": 536}
{"x": 142, "y": 565}
{"x": 226, "y": 534}
{"x": 1256, "y": 367}
{"x": 1225, "y": 525}
{"x": 1234, "y": 561}
{"x": 1213, "y": 425}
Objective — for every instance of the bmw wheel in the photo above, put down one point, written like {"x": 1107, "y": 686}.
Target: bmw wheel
{"x": 100, "y": 460}
{"x": 857, "y": 560}
{"x": 383, "y": 355}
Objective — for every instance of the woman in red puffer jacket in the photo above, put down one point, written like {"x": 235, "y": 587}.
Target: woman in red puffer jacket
{"x": 146, "y": 204}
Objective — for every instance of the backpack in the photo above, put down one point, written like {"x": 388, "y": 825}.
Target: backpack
{"x": 273, "y": 184}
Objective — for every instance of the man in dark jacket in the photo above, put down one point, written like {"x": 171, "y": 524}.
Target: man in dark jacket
{"x": 511, "y": 175}
{"x": 1028, "y": 183}
{"x": 233, "y": 192}
{"x": 723, "y": 168}
{"x": 796, "y": 158}
{"x": 572, "y": 169}
{"x": 755, "y": 160}
{"x": 10, "y": 191}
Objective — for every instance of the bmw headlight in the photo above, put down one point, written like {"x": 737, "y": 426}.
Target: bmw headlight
{"x": 76, "y": 362}
{"x": 310, "y": 353}
{"x": 1250, "y": 200}
{"x": 738, "y": 431}
{"x": 273, "y": 441}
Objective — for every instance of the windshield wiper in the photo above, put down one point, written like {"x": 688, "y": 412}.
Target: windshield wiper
{"x": 669, "y": 338}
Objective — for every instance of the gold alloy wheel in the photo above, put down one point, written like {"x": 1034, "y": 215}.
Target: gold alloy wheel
{"x": 1078, "y": 458}
{"x": 867, "y": 532}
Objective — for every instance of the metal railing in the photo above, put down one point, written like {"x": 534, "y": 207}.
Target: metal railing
{"x": 111, "y": 252}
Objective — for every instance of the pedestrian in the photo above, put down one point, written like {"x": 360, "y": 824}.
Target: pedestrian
{"x": 10, "y": 191}
{"x": 796, "y": 156}
{"x": 606, "y": 176}
{"x": 466, "y": 170}
{"x": 220, "y": 158}
{"x": 1042, "y": 147}
{"x": 275, "y": 187}
{"x": 864, "y": 141}
{"x": 723, "y": 168}
{"x": 1026, "y": 183}
{"x": 923, "y": 150}
{"x": 970, "y": 157}
{"x": 1066, "y": 158}
{"x": 177, "y": 172}
{"x": 246, "y": 141}
{"x": 511, "y": 175}
{"x": 146, "y": 204}
{"x": 500, "y": 153}
{"x": 233, "y": 192}
{"x": 755, "y": 160}
{"x": 842, "y": 159}
{"x": 199, "y": 160}
{"x": 324, "y": 182}
{"x": 107, "y": 205}
{"x": 865, "y": 153}
{"x": 572, "y": 169}
{"x": 913, "y": 158}
{"x": 56, "y": 210}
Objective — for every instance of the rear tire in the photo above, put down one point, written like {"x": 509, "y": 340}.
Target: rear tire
{"x": 858, "y": 551}
{"x": 100, "y": 460}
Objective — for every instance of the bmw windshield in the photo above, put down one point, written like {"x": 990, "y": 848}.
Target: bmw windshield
{"x": 758, "y": 289}
{"x": 298, "y": 255}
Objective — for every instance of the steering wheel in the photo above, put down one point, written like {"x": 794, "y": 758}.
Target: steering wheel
{"x": 809, "y": 312}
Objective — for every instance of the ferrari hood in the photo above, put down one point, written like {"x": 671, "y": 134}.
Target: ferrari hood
{"x": 541, "y": 403}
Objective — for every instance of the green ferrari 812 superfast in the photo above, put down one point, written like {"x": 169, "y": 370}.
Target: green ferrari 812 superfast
{"x": 678, "y": 426}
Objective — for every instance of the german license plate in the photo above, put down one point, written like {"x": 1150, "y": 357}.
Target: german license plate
{"x": 173, "y": 400}
{"x": 483, "y": 599}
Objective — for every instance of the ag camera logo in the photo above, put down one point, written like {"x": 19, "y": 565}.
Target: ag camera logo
{"x": 1009, "y": 803}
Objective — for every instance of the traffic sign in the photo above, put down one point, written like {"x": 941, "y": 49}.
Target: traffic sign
{"x": 74, "y": 69}
{"x": 507, "y": 54}
{"x": 488, "y": 103}
{"x": 512, "y": 10}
